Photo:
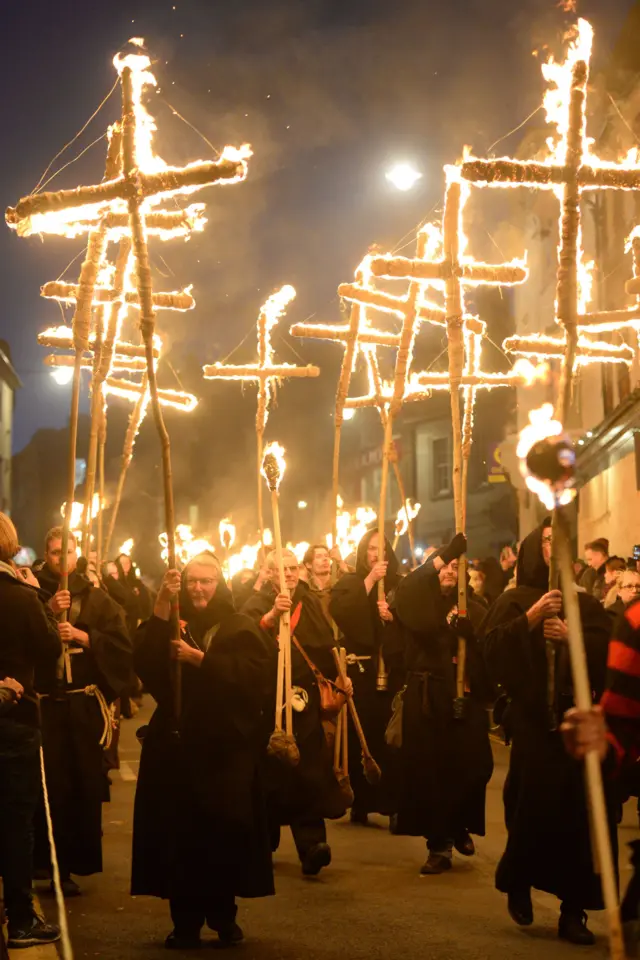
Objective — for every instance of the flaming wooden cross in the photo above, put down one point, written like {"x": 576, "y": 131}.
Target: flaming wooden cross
{"x": 571, "y": 170}
{"x": 135, "y": 181}
{"x": 266, "y": 372}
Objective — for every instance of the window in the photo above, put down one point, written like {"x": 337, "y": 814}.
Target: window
{"x": 441, "y": 459}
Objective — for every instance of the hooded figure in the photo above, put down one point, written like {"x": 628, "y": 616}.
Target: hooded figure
{"x": 200, "y": 836}
{"x": 548, "y": 844}
{"x": 76, "y": 719}
{"x": 446, "y": 761}
{"x": 374, "y": 643}
{"x": 301, "y": 796}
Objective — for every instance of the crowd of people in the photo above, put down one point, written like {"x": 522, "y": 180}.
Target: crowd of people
{"x": 424, "y": 683}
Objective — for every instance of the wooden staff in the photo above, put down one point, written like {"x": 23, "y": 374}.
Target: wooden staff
{"x": 147, "y": 328}
{"x": 272, "y": 471}
{"x": 455, "y": 342}
{"x": 374, "y": 372}
{"x": 601, "y": 840}
{"x": 371, "y": 769}
{"x": 135, "y": 420}
{"x": 348, "y": 361}
{"x": 102, "y": 440}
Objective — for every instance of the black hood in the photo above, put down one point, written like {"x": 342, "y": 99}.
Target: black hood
{"x": 217, "y": 610}
{"x": 531, "y": 570}
{"x": 361, "y": 560}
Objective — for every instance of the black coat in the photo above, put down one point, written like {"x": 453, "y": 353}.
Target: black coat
{"x": 364, "y": 634}
{"x": 446, "y": 762}
{"x": 548, "y": 844}
{"x": 29, "y": 642}
{"x": 200, "y": 826}
{"x": 309, "y": 790}
{"x": 73, "y": 723}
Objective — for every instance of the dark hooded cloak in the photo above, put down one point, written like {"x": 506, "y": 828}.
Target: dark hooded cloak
{"x": 308, "y": 791}
{"x": 73, "y": 723}
{"x": 200, "y": 826}
{"x": 548, "y": 844}
{"x": 446, "y": 762}
{"x": 365, "y": 635}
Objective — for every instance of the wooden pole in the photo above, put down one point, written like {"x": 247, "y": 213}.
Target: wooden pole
{"x": 348, "y": 362}
{"x": 285, "y": 621}
{"x": 260, "y": 451}
{"x": 593, "y": 770}
{"x": 147, "y": 328}
{"x": 137, "y": 415}
{"x": 102, "y": 439}
{"x": 455, "y": 339}
{"x": 371, "y": 769}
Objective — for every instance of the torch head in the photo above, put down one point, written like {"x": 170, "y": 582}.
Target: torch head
{"x": 273, "y": 465}
{"x": 553, "y": 460}
{"x": 547, "y": 459}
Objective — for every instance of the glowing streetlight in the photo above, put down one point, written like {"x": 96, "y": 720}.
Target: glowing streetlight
{"x": 302, "y": 504}
{"x": 348, "y": 413}
{"x": 62, "y": 375}
{"x": 403, "y": 176}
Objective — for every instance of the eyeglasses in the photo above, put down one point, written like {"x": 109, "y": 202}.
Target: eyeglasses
{"x": 547, "y": 539}
{"x": 630, "y": 586}
{"x": 202, "y": 581}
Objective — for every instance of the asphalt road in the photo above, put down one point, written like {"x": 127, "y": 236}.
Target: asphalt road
{"x": 370, "y": 904}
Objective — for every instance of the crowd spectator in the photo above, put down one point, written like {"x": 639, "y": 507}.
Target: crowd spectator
{"x": 596, "y": 554}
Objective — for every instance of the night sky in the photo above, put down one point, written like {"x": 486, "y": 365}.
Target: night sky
{"x": 328, "y": 92}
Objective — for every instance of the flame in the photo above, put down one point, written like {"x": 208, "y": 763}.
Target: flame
{"x": 350, "y": 528}
{"x": 541, "y": 426}
{"x": 141, "y": 77}
{"x": 126, "y": 548}
{"x": 408, "y": 512}
{"x": 77, "y": 511}
{"x": 187, "y": 545}
{"x": 245, "y": 559}
{"x": 273, "y": 465}
{"x": 227, "y": 533}
{"x": 530, "y": 373}
{"x": 559, "y": 76}
{"x": 267, "y": 538}
{"x": 298, "y": 549}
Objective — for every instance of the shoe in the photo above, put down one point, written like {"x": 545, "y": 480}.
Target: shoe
{"x": 573, "y": 927}
{"x": 359, "y": 817}
{"x": 520, "y": 907}
{"x": 69, "y": 888}
{"x": 230, "y": 934}
{"x": 393, "y": 824}
{"x": 317, "y": 857}
{"x": 32, "y": 934}
{"x": 436, "y": 863}
{"x": 464, "y": 844}
{"x": 176, "y": 942}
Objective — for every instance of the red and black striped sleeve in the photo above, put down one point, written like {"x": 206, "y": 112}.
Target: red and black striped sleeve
{"x": 621, "y": 699}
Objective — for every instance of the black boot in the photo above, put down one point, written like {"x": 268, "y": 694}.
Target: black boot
{"x": 573, "y": 927}
{"x": 316, "y": 858}
{"x": 181, "y": 941}
{"x": 520, "y": 907}
{"x": 464, "y": 844}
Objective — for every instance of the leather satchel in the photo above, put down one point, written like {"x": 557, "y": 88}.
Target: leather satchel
{"x": 332, "y": 698}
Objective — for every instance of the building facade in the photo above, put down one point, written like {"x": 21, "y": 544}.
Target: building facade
{"x": 9, "y": 383}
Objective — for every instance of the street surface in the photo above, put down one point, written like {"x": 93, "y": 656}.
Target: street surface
{"x": 370, "y": 904}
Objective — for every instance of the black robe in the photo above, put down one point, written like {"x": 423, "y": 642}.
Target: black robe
{"x": 310, "y": 790}
{"x": 548, "y": 845}
{"x": 73, "y": 723}
{"x": 200, "y": 826}
{"x": 445, "y": 762}
{"x": 366, "y": 635}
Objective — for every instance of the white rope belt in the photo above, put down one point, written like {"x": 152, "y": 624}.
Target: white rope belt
{"x": 94, "y": 691}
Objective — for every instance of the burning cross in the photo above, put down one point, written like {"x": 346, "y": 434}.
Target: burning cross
{"x": 570, "y": 171}
{"x": 266, "y": 372}
{"x": 135, "y": 180}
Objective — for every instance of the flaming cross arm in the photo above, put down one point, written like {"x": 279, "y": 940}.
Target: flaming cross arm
{"x": 571, "y": 169}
